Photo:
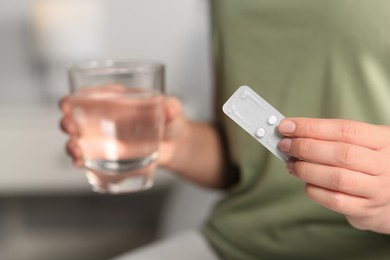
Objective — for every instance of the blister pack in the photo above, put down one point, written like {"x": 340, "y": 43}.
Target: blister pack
{"x": 257, "y": 117}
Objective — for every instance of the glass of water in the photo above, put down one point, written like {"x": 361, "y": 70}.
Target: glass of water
{"x": 118, "y": 109}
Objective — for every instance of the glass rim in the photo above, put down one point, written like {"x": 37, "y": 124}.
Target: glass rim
{"x": 122, "y": 65}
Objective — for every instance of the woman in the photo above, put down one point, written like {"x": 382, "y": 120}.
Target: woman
{"x": 313, "y": 59}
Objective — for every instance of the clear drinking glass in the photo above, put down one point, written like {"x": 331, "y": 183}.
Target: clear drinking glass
{"x": 118, "y": 109}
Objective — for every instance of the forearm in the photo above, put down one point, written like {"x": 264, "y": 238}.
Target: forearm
{"x": 200, "y": 157}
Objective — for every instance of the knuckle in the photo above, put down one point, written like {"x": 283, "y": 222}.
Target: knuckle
{"x": 341, "y": 181}
{"x": 301, "y": 170}
{"x": 337, "y": 202}
{"x": 381, "y": 198}
{"x": 63, "y": 124}
{"x": 347, "y": 155}
{"x": 71, "y": 148}
{"x": 309, "y": 191}
{"x": 364, "y": 219}
{"x": 348, "y": 130}
{"x": 308, "y": 128}
{"x": 67, "y": 125}
{"x": 301, "y": 148}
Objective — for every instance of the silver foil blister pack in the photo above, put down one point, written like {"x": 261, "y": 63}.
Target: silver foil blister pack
{"x": 257, "y": 117}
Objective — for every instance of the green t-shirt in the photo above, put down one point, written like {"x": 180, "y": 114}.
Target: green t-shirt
{"x": 309, "y": 58}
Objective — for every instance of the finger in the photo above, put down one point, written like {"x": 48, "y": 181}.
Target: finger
{"x": 173, "y": 108}
{"x": 73, "y": 150}
{"x": 78, "y": 162}
{"x": 68, "y": 125}
{"x": 352, "y": 157}
{"x": 333, "y": 178}
{"x": 337, "y": 201}
{"x": 65, "y": 104}
{"x": 358, "y": 133}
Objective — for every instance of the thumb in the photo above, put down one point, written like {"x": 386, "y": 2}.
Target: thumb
{"x": 173, "y": 109}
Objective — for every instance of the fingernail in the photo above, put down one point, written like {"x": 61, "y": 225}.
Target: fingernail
{"x": 287, "y": 127}
{"x": 285, "y": 145}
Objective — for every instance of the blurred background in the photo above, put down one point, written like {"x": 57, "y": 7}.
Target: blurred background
{"x": 47, "y": 210}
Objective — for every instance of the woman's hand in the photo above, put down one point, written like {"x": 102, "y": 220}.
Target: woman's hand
{"x": 176, "y": 130}
{"x": 192, "y": 150}
{"x": 68, "y": 125}
{"x": 345, "y": 165}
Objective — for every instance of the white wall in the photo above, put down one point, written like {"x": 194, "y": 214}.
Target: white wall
{"x": 173, "y": 31}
